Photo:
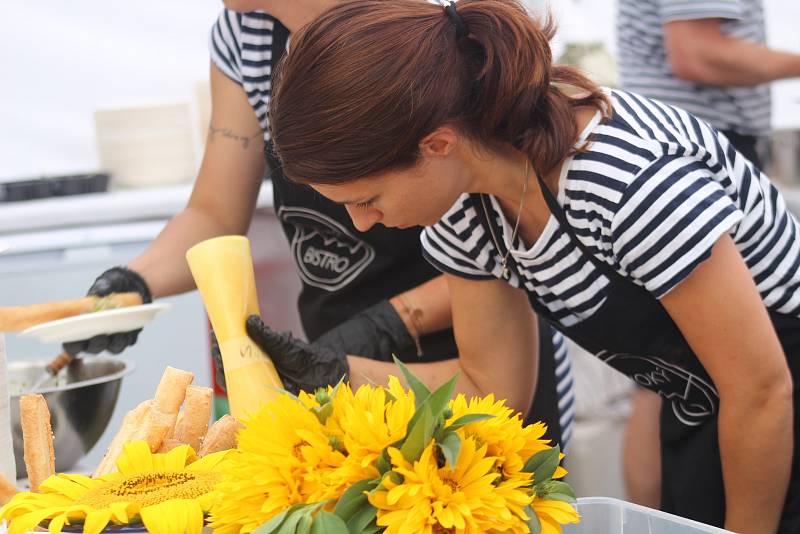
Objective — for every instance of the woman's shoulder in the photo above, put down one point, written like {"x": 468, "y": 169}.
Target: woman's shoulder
{"x": 253, "y": 27}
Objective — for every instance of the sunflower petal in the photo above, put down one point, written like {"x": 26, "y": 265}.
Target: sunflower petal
{"x": 174, "y": 460}
{"x": 96, "y": 521}
{"x": 135, "y": 458}
{"x": 65, "y": 485}
{"x": 31, "y": 520}
{"x": 122, "y": 512}
{"x": 57, "y": 523}
{"x": 210, "y": 461}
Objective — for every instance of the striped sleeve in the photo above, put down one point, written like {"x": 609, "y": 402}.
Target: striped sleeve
{"x": 669, "y": 218}
{"x": 671, "y": 10}
{"x": 225, "y": 44}
{"x": 457, "y": 244}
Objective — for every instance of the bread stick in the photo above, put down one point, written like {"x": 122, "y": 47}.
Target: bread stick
{"x": 19, "y": 318}
{"x": 221, "y": 436}
{"x": 131, "y": 423}
{"x": 37, "y": 437}
{"x": 7, "y": 490}
{"x": 192, "y": 422}
{"x": 163, "y": 413}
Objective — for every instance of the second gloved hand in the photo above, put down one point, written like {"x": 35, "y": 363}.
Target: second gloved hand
{"x": 114, "y": 280}
{"x": 301, "y": 366}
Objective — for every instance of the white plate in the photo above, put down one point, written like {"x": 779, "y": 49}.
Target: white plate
{"x": 89, "y": 325}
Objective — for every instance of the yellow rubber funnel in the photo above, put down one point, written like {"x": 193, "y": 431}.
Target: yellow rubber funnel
{"x": 223, "y": 271}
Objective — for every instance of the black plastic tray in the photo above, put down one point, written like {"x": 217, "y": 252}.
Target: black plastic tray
{"x": 54, "y": 186}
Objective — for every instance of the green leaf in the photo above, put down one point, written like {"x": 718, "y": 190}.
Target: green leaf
{"x": 421, "y": 391}
{"x": 289, "y": 525}
{"x": 276, "y": 521}
{"x": 441, "y": 397}
{"x": 437, "y": 402}
{"x": 419, "y": 436}
{"x": 363, "y": 520}
{"x": 323, "y": 412}
{"x": 328, "y": 523}
{"x": 353, "y": 498}
{"x": 451, "y": 448}
{"x": 556, "y": 490}
{"x": 543, "y": 464}
{"x": 470, "y": 418}
{"x": 372, "y": 528}
{"x": 305, "y": 523}
{"x": 382, "y": 463}
{"x": 534, "y": 525}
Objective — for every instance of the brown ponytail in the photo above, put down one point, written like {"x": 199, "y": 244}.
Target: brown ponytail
{"x": 364, "y": 83}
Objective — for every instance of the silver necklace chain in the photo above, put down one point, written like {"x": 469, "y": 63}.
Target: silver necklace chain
{"x": 504, "y": 257}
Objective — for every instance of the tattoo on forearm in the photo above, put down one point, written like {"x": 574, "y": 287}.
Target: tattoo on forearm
{"x": 227, "y": 133}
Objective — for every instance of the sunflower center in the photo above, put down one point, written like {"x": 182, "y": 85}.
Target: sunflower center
{"x": 450, "y": 483}
{"x": 297, "y": 450}
{"x": 439, "y": 529}
{"x": 148, "y": 489}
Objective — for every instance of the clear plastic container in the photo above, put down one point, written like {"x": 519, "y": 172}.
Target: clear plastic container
{"x": 604, "y": 515}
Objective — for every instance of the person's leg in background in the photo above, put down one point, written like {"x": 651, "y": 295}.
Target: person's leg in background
{"x": 641, "y": 454}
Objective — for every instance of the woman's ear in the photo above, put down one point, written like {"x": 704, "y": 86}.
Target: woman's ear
{"x": 440, "y": 142}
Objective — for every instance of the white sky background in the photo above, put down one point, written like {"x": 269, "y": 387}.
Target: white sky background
{"x": 62, "y": 60}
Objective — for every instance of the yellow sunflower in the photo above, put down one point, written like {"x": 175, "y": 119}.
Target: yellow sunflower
{"x": 284, "y": 457}
{"x": 366, "y": 422}
{"x": 507, "y": 438}
{"x": 170, "y": 493}
{"x": 552, "y": 514}
{"x": 425, "y": 498}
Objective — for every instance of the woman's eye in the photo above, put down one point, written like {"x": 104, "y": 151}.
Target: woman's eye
{"x": 364, "y": 205}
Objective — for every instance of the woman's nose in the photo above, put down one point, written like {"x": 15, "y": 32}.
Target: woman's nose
{"x": 364, "y": 219}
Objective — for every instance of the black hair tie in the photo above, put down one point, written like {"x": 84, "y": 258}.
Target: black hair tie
{"x": 456, "y": 20}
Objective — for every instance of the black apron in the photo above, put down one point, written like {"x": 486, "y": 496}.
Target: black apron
{"x": 633, "y": 333}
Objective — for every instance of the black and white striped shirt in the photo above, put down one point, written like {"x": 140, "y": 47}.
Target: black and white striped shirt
{"x": 650, "y": 196}
{"x": 241, "y": 47}
{"x": 645, "y": 69}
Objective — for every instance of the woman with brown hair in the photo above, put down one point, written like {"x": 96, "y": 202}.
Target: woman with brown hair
{"x": 633, "y": 227}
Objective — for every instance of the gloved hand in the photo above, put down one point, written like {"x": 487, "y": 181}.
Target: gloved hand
{"x": 216, "y": 355}
{"x": 114, "y": 280}
{"x": 301, "y": 366}
{"x": 376, "y": 333}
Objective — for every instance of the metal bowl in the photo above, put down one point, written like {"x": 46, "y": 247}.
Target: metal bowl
{"x": 81, "y": 404}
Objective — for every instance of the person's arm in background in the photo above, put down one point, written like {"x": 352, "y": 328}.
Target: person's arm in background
{"x": 393, "y": 327}
{"x": 698, "y": 51}
{"x": 222, "y": 202}
{"x": 720, "y": 312}
{"x": 224, "y": 195}
{"x": 495, "y": 329}
{"x": 425, "y": 309}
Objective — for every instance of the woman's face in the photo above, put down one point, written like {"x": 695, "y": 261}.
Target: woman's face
{"x": 418, "y": 196}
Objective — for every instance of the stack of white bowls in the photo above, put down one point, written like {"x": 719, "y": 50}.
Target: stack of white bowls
{"x": 147, "y": 146}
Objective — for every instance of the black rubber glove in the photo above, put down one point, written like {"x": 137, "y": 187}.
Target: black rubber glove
{"x": 114, "y": 280}
{"x": 216, "y": 355}
{"x": 301, "y": 366}
{"x": 376, "y": 333}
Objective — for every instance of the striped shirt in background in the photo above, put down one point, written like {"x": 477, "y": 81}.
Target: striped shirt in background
{"x": 241, "y": 47}
{"x": 645, "y": 69}
{"x": 652, "y": 194}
